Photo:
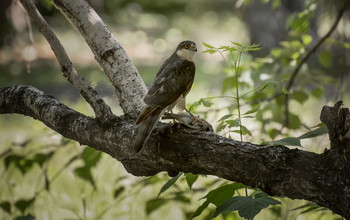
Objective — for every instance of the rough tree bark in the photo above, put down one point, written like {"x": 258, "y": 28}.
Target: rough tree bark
{"x": 280, "y": 171}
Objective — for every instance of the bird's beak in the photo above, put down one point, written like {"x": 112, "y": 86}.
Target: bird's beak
{"x": 194, "y": 48}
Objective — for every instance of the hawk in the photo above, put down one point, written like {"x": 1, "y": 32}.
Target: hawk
{"x": 169, "y": 89}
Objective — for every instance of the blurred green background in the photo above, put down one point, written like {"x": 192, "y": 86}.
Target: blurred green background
{"x": 47, "y": 176}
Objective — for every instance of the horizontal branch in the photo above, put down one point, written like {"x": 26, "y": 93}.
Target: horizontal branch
{"x": 129, "y": 87}
{"x": 101, "y": 109}
{"x": 276, "y": 170}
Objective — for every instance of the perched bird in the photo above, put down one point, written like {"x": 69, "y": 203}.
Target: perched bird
{"x": 169, "y": 88}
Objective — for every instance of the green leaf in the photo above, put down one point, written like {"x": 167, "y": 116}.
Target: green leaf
{"x": 91, "y": 156}
{"x": 273, "y": 132}
{"x": 227, "y": 48}
{"x": 6, "y": 206}
{"x": 253, "y": 110}
{"x": 294, "y": 121}
{"x": 23, "y": 164}
{"x": 277, "y": 52}
{"x": 253, "y": 47}
{"x": 221, "y": 127}
{"x": 228, "y": 83}
{"x": 210, "y": 51}
{"x": 224, "y": 48}
{"x": 317, "y": 93}
{"x": 118, "y": 191}
{"x": 22, "y": 205}
{"x": 85, "y": 174}
{"x": 232, "y": 123}
{"x": 194, "y": 106}
{"x": 207, "y": 45}
{"x": 247, "y": 207}
{"x": 154, "y": 204}
{"x": 290, "y": 141}
{"x": 325, "y": 59}
{"x": 225, "y": 117}
{"x": 205, "y": 102}
{"x": 12, "y": 159}
{"x": 306, "y": 39}
{"x": 218, "y": 196}
{"x": 276, "y": 4}
{"x": 295, "y": 141}
{"x": 168, "y": 184}
{"x": 237, "y": 44}
{"x": 314, "y": 133}
{"x": 258, "y": 194}
{"x": 245, "y": 130}
{"x": 191, "y": 179}
{"x": 299, "y": 96}
{"x": 40, "y": 158}
{"x": 285, "y": 91}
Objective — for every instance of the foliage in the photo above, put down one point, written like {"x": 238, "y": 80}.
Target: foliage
{"x": 37, "y": 171}
{"x": 247, "y": 207}
{"x": 234, "y": 81}
{"x": 80, "y": 182}
{"x": 260, "y": 88}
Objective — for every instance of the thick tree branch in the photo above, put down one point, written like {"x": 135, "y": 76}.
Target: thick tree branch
{"x": 277, "y": 170}
{"x": 129, "y": 87}
{"x": 101, "y": 109}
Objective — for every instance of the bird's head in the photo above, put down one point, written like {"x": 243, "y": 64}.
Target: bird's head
{"x": 186, "y": 50}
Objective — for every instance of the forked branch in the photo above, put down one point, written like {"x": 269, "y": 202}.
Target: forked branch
{"x": 102, "y": 110}
{"x": 129, "y": 86}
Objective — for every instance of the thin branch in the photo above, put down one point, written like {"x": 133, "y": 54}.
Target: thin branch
{"x": 308, "y": 55}
{"x": 30, "y": 29}
{"x": 129, "y": 86}
{"x": 101, "y": 109}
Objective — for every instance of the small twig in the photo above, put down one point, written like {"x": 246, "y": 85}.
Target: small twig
{"x": 307, "y": 56}
{"x": 101, "y": 109}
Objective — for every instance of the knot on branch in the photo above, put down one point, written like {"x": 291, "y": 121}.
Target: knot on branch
{"x": 337, "y": 120}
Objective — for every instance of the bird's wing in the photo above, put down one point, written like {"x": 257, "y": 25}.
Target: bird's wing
{"x": 175, "y": 79}
{"x": 146, "y": 112}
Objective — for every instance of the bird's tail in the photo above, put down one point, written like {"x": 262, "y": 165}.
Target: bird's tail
{"x": 145, "y": 127}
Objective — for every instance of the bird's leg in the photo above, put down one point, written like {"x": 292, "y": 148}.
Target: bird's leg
{"x": 195, "y": 118}
{"x": 174, "y": 121}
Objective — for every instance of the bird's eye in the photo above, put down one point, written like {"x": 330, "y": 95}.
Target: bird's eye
{"x": 187, "y": 46}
